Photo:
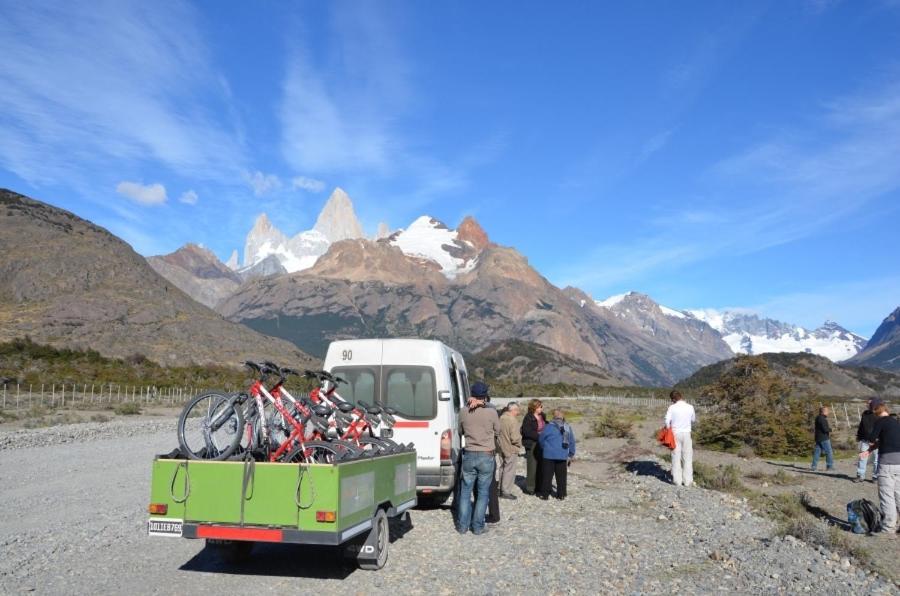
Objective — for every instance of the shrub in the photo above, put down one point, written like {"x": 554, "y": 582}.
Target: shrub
{"x": 100, "y": 418}
{"x": 754, "y": 407}
{"x": 721, "y": 478}
{"x": 612, "y": 425}
{"x": 128, "y": 409}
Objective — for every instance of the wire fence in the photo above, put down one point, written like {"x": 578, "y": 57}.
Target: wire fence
{"x": 20, "y": 397}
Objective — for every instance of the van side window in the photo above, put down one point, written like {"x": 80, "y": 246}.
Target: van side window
{"x": 410, "y": 390}
{"x": 361, "y": 383}
{"x": 454, "y": 388}
{"x": 465, "y": 385}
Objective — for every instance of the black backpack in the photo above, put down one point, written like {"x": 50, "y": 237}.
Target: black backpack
{"x": 869, "y": 516}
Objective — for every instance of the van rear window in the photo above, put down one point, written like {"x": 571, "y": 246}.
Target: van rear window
{"x": 410, "y": 390}
{"x": 361, "y": 383}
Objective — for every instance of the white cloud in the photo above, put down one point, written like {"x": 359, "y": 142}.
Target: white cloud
{"x": 145, "y": 194}
{"x": 189, "y": 198}
{"x": 262, "y": 183}
{"x": 310, "y": 184}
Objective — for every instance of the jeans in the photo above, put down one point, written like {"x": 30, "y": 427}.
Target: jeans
{"x": 683, "y": 460}
{"x": 477, "y": 468}
{"x": 829, "y": 454}
{"x": 863, "y": 461}
{"x": 889, "y": 494}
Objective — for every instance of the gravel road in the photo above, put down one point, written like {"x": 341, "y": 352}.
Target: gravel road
{"x": 74, "y": 520}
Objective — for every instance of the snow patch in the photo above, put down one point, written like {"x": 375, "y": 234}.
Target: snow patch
{"x": 427, "y": 238}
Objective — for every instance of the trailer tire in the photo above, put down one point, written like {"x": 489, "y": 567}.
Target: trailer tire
{"x": 230, "y": 551}
{"x": 379, "y": 538}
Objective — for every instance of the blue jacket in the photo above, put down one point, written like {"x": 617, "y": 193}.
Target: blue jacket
{"x": 551, "y": 440}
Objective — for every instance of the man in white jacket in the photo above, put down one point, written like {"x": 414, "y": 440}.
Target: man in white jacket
{"x": 679, "y": 417}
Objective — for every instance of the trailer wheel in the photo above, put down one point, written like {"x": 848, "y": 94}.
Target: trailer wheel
{"x": 230, "y": 551}
{"x": 379, "y": 539}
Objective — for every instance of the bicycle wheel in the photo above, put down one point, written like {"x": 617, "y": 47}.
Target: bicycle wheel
{"x": 380, "y": 446}
{"x": 210, "y": 426}
{"x": 316, "y": 452}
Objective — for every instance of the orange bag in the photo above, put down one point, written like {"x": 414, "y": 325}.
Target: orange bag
{"x": 666, "y": 437}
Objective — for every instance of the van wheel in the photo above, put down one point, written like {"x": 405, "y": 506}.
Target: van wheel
{"x": 380, "y": 539}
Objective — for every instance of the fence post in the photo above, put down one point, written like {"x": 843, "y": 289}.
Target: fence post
{"x": 31, "y": 394}
{"x": 17, "y": 396}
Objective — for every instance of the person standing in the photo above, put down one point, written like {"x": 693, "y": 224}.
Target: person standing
{"x": 680, "y": 417}
{"x": 886, "y": 439}
{"x": 558, "y": 448}
{"x": 509, "y": 444}
{"x": 823, "y": 440}
{"x": 480, "y": 426}
{"x": 864, "y": 436}
{"x": 532, "y": 425}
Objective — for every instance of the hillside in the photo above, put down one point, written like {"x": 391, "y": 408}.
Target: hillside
{"x": 812, "y": 374}
{"x": 883, "y": 350}
{"x": 69, "y": 283}
{"x": 517, "y": 361}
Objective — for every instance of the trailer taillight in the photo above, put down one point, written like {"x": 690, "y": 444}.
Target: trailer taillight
{"x": 446, "y": 445}
{"x": 158, "y": 508}
{"x": 325, "y": 516}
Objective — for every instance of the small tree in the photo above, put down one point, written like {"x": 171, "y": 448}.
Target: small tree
{"x": 754, "y": 406}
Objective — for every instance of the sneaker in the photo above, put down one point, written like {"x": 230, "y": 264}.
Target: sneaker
{"x": 543, "y": 497}
{"x": 508, "y": 497}
{"x": 857, "y": 480}
{"x": 483, "y": 530}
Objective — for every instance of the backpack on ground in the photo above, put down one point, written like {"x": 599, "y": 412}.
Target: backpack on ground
{"x": 863, "y": 516}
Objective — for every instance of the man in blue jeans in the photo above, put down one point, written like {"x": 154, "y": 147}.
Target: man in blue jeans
{"x": 480, "y": 426}
{"x": 823, "y": 440}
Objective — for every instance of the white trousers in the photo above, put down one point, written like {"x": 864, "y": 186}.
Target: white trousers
{"x": 683, "y": 460}
{"x": 889, "y": 493}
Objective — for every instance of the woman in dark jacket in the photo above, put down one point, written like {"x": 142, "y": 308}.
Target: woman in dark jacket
{"x": 532, "y": 425}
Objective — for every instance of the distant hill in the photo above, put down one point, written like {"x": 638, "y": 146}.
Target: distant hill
{"x": 69, "y": 283}
{"x": 518, "y": 361}
{"x": 883, "y": 350}
{"x": 811, "y": 373}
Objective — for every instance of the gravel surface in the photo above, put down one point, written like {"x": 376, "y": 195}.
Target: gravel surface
{"x": 75, "y": 522}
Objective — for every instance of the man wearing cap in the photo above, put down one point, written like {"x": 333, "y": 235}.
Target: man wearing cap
{"x": 480, "y": 426}
{"x": 864, "y": 436}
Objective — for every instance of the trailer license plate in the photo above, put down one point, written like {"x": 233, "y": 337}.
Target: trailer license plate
{"x": 165, "y": 527}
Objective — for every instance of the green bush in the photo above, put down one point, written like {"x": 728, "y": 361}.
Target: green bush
{"x": 721, "y": 478}
{"x": 128, "y": 409}
{"x": 754, "y": 407}
{"x": 612, "y": 425}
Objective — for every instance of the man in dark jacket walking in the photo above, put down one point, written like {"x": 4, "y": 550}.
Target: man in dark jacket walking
{"x": 823, "y": 440}
{"x": 864, "y": 436}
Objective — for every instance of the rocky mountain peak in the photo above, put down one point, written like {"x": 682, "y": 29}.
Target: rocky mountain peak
{"x": 383, "y": 231}
{"x": 337, "y": 220}
{"x": 233, "y": 263}
{"x": 470, "y": 231}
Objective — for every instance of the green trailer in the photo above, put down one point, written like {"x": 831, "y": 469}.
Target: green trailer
{"x": 233, "y": 504}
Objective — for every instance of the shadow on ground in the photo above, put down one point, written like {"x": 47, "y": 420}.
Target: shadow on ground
{"x": 648, "y": 468}
{"x": 287, "y": 560}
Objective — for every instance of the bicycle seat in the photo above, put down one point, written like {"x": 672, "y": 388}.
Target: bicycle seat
{"x": 345, "y": 407}
{"x": 322, "y": 410}
{"x": 389, "y": 410}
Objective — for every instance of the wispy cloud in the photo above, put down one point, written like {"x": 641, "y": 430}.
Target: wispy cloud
{"x": 782, "y": 189}
{"x": 309, "y": 184}
{"x": 189, "y": 197}
{"x": 145, "y": 194}
{"x": 119, "y": 83}
{"x": 261, "y": 183}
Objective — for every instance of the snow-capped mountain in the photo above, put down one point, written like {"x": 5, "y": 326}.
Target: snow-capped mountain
{"x": 337, "y": 221}
{"x": 749, "y": 334}
{"x": 744, "y": 332}
{"x": 454, "y": 251}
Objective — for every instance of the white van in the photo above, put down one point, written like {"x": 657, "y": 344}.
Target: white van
{"x": 426, "y": 382}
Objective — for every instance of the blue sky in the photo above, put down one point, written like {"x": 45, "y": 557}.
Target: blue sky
{"x": 714, "y": 154}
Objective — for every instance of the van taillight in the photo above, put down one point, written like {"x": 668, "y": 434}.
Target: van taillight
{"x": 446, "y": 445}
